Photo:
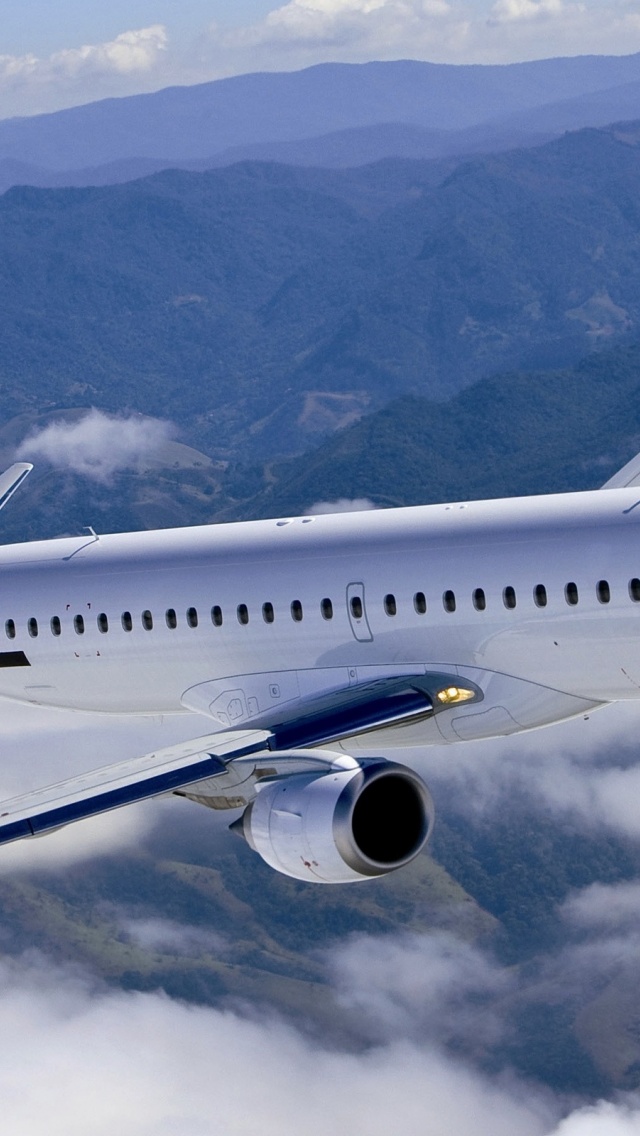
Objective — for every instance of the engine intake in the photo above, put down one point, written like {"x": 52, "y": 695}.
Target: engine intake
{"x": 340, "y": 826}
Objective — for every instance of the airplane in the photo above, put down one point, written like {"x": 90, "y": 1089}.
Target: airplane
{"x": 308, "y": 644}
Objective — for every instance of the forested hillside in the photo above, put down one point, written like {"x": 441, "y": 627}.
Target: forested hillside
{"x": 235, "y": 301}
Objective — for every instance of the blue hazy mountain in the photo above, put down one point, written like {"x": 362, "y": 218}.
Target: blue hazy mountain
{"x": 184, "y": 123}
{"x": 282, "y": 301}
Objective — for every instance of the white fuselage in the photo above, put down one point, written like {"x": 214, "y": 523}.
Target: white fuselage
{"x": 589, "y": 649}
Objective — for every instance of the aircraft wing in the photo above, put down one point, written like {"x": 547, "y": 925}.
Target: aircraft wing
{"x": 626, "y": 477}
{"x": 164, "y": 771}
{"x": 11, "y": 479}
{"x": 222, "y": 769}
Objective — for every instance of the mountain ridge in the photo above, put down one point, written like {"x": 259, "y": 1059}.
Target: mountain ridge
{"x": 196, "y": 122}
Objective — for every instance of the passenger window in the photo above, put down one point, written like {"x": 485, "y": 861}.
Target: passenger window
{"x": 390, "y": 604}
{"x": 634, "y": 590}
{"x": 55, "y": 624}
{"x": 243, "y": 614}
{"x": 356, "y": 607}
{"x": 192, "y": 617}
{"x": 103, "y": 623}
{"x": 147, "y": 620}
{"x": 171, "y": 618}
{"x": 33, "y": 627}
{"x": 326, "y": 607}
{"x": 509, "y": 597}
{"x": 10, "y": 629}
{"x": 268, "y": 613}
{"x": 449, "y": 601}
{"x": 126, "y": 620}
{"x": 216, "y": 616}
{"x": 78, "y": 624}
{"x": 479, "y": 599}
{"x": 540, "y": 595}
{"x": 603, "y": 591}
{"x": 571, "y": 593}
{"x": 420, "y": 603}
{"x": 296, "y": 611}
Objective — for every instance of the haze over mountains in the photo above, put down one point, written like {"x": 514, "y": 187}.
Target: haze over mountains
{"x": 330, "y": 114}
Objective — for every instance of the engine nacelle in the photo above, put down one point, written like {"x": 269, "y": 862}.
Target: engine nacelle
{"x": 340, "y": 826}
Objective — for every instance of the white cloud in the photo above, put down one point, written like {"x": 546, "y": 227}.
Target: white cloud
{"x": 341, "y": 505}
{"x": 612, "y": 907}
{"x": 602, "y": 1119}
{"x": 84, "y": 840}
{"x": 130, "y": 51}
{"x": 382, "y": 28}
{"x": 84, "y": 1061}
{"x": 585, "y": 768}
{"x": 30, "y": 84}
{"x": 97, "y": 445}
{"x": 506, "y": 10}
{"x": 157, "y": 934}
{"x": 432, "y": 986}
{"x": 302, "y": 32}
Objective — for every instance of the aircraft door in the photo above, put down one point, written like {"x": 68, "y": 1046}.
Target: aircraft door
{"x": 358, "y": 613}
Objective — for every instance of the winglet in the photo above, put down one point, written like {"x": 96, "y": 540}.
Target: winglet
{"x": 11, "y": 479}
{"x": 626, "y": 477}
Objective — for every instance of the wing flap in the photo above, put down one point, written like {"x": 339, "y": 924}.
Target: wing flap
{"x": 101, "y": 790}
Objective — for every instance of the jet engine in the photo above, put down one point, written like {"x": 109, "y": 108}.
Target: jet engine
{"x": 339, "y": 826}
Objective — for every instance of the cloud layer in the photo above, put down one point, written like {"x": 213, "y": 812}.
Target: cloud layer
{"x": 79, "y": 1060}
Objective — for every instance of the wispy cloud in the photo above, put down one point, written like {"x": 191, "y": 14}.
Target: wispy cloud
{"x": 585, "y": 768}
{"x": 98, "y": 444}
{"x": 611, "y": 908}
{"x": 507, "y": 10}
{"x": 341, "y": 505}
{"x": 434, "y": 987}
{"x": 158, "y": 934}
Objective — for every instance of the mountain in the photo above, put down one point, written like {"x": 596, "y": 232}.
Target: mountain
{"x": 513, "y": 434}
{"x": 261, "y": 307}
{"x": 185, "y": 123}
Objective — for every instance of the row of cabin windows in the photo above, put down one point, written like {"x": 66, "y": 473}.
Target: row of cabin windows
{"x": 478, "y": 598}
{"x": 170, "y": 617}
{"x": 509, "y": 598}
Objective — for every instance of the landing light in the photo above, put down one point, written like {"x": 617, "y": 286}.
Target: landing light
{"x": 452, "y": 694}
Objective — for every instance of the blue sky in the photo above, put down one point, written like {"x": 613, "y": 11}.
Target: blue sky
{"x": 55, "y": 55}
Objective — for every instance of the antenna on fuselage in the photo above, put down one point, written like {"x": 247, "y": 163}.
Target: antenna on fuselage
{"x": 11, "y": 479}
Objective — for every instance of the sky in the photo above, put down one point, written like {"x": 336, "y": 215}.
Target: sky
{"x": 52, "y": 56}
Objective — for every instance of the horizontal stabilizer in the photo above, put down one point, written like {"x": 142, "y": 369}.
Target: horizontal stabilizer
{"x": 626, "y": 477}
{"x": 115, "y": 785}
